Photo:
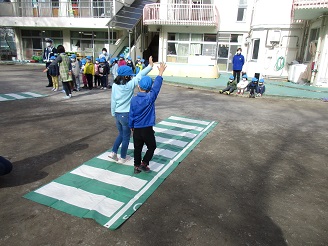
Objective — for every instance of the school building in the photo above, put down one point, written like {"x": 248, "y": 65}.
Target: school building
{"x": 284, "y": 39}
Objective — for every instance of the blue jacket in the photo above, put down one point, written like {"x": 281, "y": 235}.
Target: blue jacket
{"x": 122, "y": 94}
{"x": 260, "y": 89}
{"x": 142, "y": 110}
{"x": 238, "y": 62}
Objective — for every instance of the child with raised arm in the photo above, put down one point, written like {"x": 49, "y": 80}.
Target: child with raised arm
{"x": 142, "y": 119}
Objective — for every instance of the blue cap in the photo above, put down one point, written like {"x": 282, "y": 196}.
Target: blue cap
{"x": 129, "y": 58}
{"x": 73, "y": 56}
{"x": 254, "y": 79}
{"x": 142, "y": 60}
{"x": 245, "y": 76}
{"x": 52, "y": 58}
{"x": 49, "y": 40}
{"x": 97, "y": 59}
{"x": 125, "y": 71}
{"x": 138, "y": 57}
{"x": 89, "y": 58}
{"x": 102, "y": 60}
{"x": 145, "y": 83}
{"x": 83, "y": 61}
{"x": 231, "y": 77}
{"x": 261, "y": 80}
{"x": 121, "y": 56}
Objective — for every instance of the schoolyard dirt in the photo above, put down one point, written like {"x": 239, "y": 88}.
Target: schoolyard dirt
{"x": 258, "y": 178}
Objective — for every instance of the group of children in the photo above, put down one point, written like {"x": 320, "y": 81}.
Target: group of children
{"x": 94, "y": 74}
{"x": 255, "y": 87}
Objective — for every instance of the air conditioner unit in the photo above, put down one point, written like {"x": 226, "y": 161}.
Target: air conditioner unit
{"x": 273, "y": 37}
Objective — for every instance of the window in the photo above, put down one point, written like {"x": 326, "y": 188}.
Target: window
{"x": 241, "y": 13}
{"x": 256, "y": 46}
{"x": 182, "y": 45}
{"x": 312, "y": 43}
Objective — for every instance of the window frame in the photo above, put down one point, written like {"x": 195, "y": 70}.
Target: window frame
{"x": 255, "y": 50}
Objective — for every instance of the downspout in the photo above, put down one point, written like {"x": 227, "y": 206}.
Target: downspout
{"x": 318, "y": 52}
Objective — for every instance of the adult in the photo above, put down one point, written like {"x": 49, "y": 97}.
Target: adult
{"x": 65, "y": 69}
{"x": 48, "y": 52}
{"x": 237, "y": 64}
{"x": 104, "y": 54}
{"x": 122, "y": 92}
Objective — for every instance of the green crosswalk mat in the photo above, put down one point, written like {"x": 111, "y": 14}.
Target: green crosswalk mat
{"x": 19, "y": 95}
{"x": 109, "y": 192}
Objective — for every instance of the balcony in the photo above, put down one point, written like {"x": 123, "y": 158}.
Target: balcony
{"x": 61, "y": 8}
{"x": 181, "y": 14}
{"x": 309, "y": 9}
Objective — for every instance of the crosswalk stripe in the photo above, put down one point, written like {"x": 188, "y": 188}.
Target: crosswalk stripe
{"x": 109, "y": 177}
{"x": 81, "y": 198}
{"x": 17, "y": 96}
{"x": 196, "y": 128}
{"x": 201, "y": 122}
{"x": 33, "y": 94}
{"x": 154, "y": 166}
{"x": 171, "y": 141}
{"x": 2, "y": 99}
{"x": 174, "y": 132}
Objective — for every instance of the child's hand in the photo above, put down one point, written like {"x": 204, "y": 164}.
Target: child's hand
{"x": 45, "y": 70}
{"x": 151, "y": 63}
{"x": 161, "y": 68}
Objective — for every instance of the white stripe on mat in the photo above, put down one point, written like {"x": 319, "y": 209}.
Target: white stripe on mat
{"x": 175, "y": 133}
{"x": 201, "y": 122}
{"x": 81, "y": 198}
{"x": 171, "y": 141}
{"x": 154, "y": 166}
{"x": 108, "y": 177}
{"x": 2, "y": 99}
{"x": 33, "y": 94}
{"x": 196, "y": 128}
{"x": 15, "y": 96}
{"x": 163, "y": 152}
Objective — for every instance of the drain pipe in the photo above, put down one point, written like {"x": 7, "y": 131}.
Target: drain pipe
{"x": 318, "y": 52}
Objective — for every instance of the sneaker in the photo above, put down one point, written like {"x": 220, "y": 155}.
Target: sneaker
{"x": 105, "y": 88}
{"x": 123, "y": 160}
{"x": 101, "y": 88}
{"x": 137, "y": 170}
{"x": 145, "y": 168}
{"x": 66, "y": 97}
{"x": 228, "y": 93}
{"x": 55, "y": 89}
{"x": 70, "y": 95}
{"x": 113, "y": 156}
{"x": 220, "y": 91}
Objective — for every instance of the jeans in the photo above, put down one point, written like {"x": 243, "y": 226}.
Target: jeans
{"x": 122, "y": 124}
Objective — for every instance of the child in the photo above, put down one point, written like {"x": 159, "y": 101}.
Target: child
{"x": 138, "y": 66}
{"x": 242, "y": 85}
{"x": 97, "y": 77}
{"x": 121, "y": 61}
{"x": 54, "y": 73}
{"x": 142, "y": 119}
{"x": 114, "y": 69}
{"x": 84, "y": 78}
{"x": 122, "y": 93}
{"x": 130, "y": 63}
{"x": 231, "y": 86}
{"x": 103, "y": 71}
{"x": 143, "y": 63}
{"x": 89, "y": 71}
{"x": 260, "y": 88}
{"x": 138, "y": 59}
{"x": 75, "y": 72}
{"x": 253, "y": 87}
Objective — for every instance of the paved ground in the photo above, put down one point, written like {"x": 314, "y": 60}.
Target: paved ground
{"x": 259, "y": 178}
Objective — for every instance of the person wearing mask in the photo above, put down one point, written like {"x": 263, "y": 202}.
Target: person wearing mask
{"x": 237, "y": 64}
{"x": 48, "y": 52}
{"x": 104, "y": 54}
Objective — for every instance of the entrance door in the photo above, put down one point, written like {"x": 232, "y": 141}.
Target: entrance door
{"x": 232, "y": 52}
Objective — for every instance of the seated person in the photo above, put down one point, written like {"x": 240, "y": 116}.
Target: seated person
{"x": 242, "y": 85}
{"x": 253, "y": 87}
{"x": 260, "y": 88}
{"x": 231, "y": 86}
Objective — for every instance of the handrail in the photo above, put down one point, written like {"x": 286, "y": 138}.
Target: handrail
{"x": 62, "y": 8}
{"x": 175, "y": 14}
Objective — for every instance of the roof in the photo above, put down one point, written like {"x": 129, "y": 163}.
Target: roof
{"x": 128, "y": 16}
